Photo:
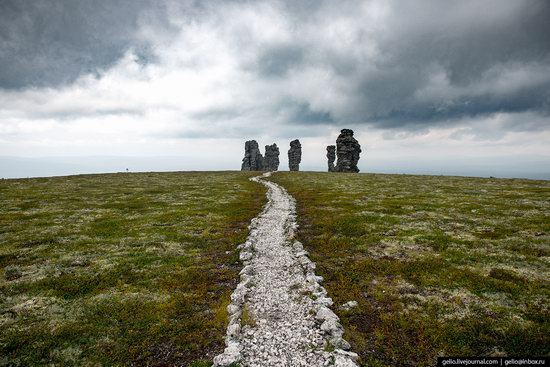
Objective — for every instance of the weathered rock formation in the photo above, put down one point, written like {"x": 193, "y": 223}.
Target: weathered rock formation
{"x": 271, "y": 159}
{"x": 347, "y": 151}
{"x": 253, "y": 160}
{"x": 294, "y": 155}
{"x": 331, "y": 156}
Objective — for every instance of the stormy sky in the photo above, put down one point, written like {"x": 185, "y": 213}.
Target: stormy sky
{"x": 438, "y": 87}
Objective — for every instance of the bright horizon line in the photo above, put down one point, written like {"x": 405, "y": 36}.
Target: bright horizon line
{"x": 14, "y": 167}
{"x": 304, "y": 171}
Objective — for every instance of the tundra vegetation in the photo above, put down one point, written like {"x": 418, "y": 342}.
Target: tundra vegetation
{"x": 132, "y": 269}
{"x": 439, "y": 266}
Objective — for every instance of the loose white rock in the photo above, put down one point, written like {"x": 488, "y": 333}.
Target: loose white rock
{"x": 285, "y": 326}
{"x": 348, "y": 305}
{"x": 326, "y": 314}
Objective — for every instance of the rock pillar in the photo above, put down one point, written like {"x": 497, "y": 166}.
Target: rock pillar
{"x": 294, "y": 155}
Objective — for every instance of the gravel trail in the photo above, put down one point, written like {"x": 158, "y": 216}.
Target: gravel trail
{"x": 279, "y": 314}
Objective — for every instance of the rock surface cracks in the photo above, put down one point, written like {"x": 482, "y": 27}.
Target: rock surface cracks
{"x": 279, "y": 313}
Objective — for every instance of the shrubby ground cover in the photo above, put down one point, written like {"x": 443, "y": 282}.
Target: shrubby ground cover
{"x": 120, "y": 268}
{"x": 438, "y": 265}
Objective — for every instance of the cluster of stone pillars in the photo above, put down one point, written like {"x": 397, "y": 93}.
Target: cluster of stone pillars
{"x": 254, "y": 161}
{"x": 346, "y": 150}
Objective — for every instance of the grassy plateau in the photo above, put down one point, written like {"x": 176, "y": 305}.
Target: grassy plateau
{"x": 120, "y": 269}
{"x": 439, "y": 266}
{"x": 137, "y": 269}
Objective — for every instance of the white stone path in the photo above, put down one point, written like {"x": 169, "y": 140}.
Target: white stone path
{"x": 279, "y": 314}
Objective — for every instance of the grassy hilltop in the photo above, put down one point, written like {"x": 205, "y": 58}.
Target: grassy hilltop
{"x": 120, "y": 268}
{"x": 138, "y": 268}
{"x": 438, "y": 265}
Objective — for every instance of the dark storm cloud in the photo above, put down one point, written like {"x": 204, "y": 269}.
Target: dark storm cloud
{"x": 407, "y": 111}
{"x": 392, "y": 64}
{"x": 51, "y": 42}
{"x": 472, "y": 47}
{"x": 277, "y": 60}
{"x": 303, "y": 114}
{"x": 493, "y": 56}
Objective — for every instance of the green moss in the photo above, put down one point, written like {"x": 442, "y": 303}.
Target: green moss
{"x": 12, "y": 272}
{"x": 120, "y": 269}
{"x": 438, "y": 265}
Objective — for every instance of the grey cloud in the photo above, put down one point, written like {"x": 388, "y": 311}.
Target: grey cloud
{"x": 276, "y": 61}
{"x": 52, "y": 42}
{"x": 467, "y": 40}
{"x": 217, "y": 114}
{"x": 302, "y": 113}
{"x": 466, "y": 47}
{"x": 532, "y": 98}
{"x": 380, "y": 71}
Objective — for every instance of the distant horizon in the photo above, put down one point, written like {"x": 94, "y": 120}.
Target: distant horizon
{"x": 452, "y": 88}
{"x": 14, "y": 167}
